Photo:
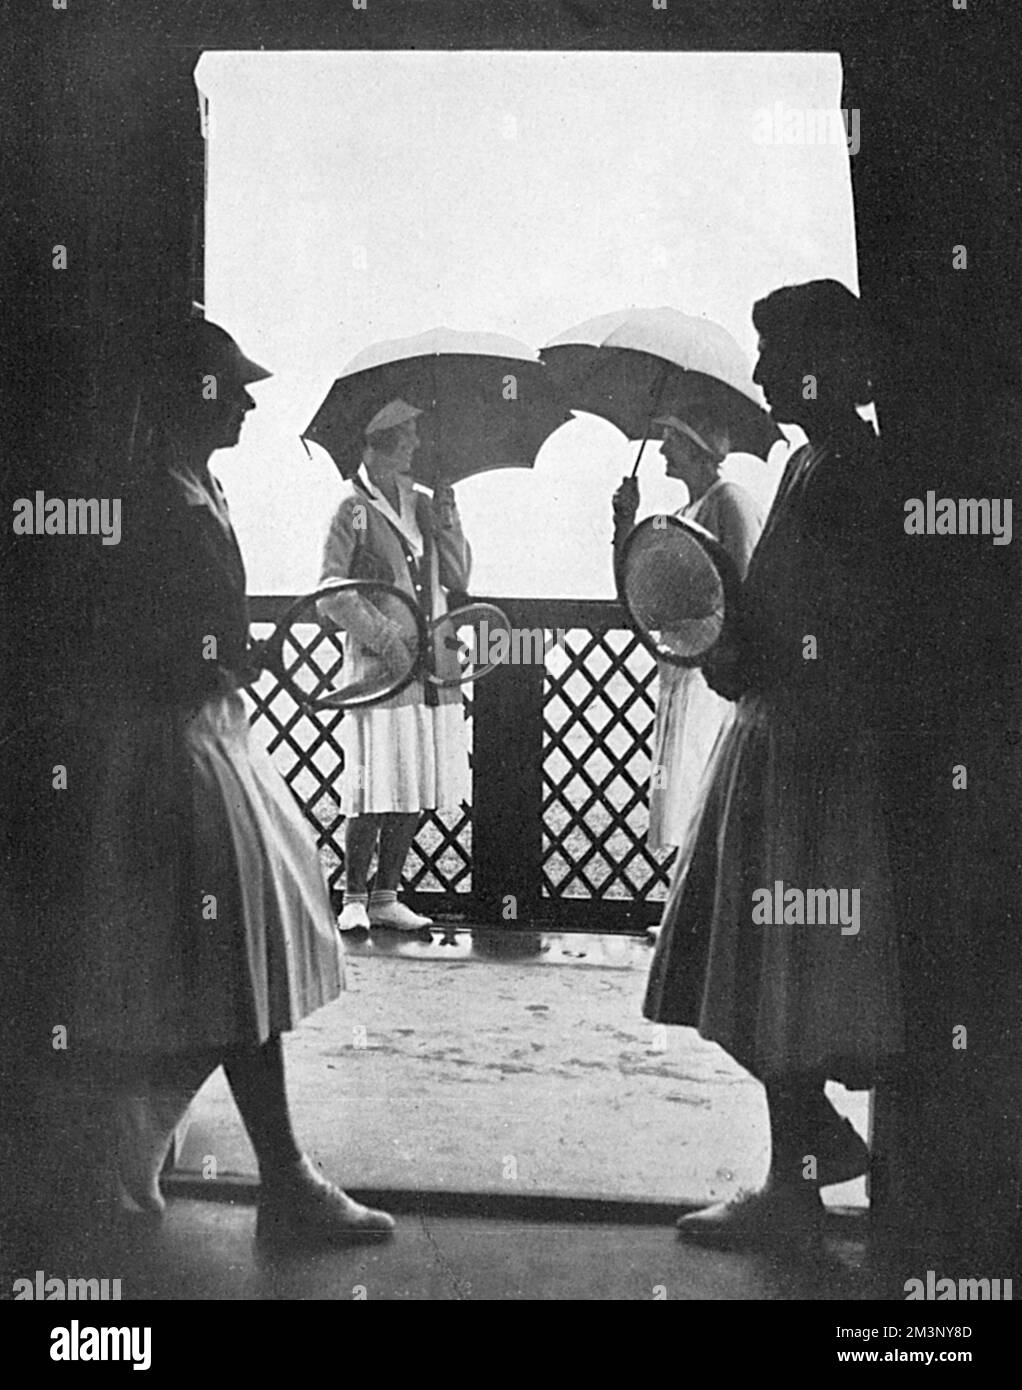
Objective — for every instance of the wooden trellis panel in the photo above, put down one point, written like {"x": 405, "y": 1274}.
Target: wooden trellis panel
{"x": 598, "y": 719}
{"x": 561, "y": 778}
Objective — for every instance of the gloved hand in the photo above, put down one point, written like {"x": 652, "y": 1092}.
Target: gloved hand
{"x": 625, "y": 504}
{"x": 444, "y": 506}
{"x": 726, "y": 671}
{"x": 394, "y": 650}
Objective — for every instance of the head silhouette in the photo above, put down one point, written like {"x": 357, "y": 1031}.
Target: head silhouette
{"x": 196, "y": 388}
{"x": 814, "y": 353}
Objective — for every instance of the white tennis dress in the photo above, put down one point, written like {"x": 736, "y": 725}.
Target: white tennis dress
{"x": 409, "y": 753}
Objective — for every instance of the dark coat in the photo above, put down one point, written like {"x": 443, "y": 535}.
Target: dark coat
{"x": 175, "y": 580}
{"x": 171, "y": 621}
{"x": 168, "y": 807}
{"x": 819, "y": 570}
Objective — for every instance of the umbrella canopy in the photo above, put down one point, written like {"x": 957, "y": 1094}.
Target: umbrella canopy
{"x": 637, "y": 364}
{"x": 489, "y": 402}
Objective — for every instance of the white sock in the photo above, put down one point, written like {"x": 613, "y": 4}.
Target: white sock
{"x": 383, "y": 897}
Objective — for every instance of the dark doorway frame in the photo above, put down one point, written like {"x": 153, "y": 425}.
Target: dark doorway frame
{"x": 106, "y": 157}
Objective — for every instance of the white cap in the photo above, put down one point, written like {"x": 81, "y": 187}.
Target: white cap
{"x": 394, "y": 413}
{"x": 683, "y": 427}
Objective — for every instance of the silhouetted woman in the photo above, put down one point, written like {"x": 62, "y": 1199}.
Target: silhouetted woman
{"x": 197, "y": 926}
{"x": 793, "y": 798}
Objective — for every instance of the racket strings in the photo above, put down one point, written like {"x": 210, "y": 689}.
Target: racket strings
{"x": 361, "y": 642}
{"x": 674, "y": 593}
{"x": 467, "y": 643}
{"x": 349, "y": 648}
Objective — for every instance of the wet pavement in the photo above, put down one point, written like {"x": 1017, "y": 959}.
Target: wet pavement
{"x": 461, "y": 1066}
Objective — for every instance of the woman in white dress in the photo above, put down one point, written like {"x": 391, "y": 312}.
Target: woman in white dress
{"x": 689, "y": 715}
{"x": 410, "y": 753}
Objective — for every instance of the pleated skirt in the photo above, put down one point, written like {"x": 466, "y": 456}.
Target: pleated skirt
{"x": 792, "y": 799}
{"x": 201, "y": 917}
{"x": 412, "y": 757}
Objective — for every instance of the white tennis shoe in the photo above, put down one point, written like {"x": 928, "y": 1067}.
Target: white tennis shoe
{"x": 398, "y": 917}
{"x": 354, "y": 917}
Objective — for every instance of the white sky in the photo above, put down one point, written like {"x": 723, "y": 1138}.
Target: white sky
{"x": 361, "y": 196}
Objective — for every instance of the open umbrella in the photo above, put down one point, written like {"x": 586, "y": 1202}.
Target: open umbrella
{"x": 637, "y": 364}
{"x": 489, "y": 402}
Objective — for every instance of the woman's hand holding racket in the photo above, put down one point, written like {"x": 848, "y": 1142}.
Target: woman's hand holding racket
{"x": 394, "y": 649}
{"x": 347, "y": 645}
{"x": 468, "y": 642}
{"x": 724, "y": 670}
{"x": 356, "y": 642}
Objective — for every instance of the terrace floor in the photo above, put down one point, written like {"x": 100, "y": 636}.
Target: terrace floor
{"x": 515, "y": 1065}
{"x": 535, "y": 1138}
{"x": 204, "y": 1250}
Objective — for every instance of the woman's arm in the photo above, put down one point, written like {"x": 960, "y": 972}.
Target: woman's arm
{"x": 624, "y": 504}
{"x": 736, "y": 520}
{"x": 341, "y": 542}
{"x": 453, "y": 551}
{"x": 366, "y": 622}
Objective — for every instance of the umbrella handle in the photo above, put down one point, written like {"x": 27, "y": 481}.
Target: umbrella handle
{"x": 653, "y": 414}
{"x": 638, "y": 457}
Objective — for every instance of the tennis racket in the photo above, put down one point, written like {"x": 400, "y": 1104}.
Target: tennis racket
{"x": 679, "y": 586}
{"x": 467, "y": 643}
{"x": 346, "y": 645}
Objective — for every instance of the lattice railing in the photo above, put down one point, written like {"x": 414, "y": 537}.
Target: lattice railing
{"x": 306, "y": 750}
{"x": 561, "y": 762}
{"x": 598, "y": 716}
